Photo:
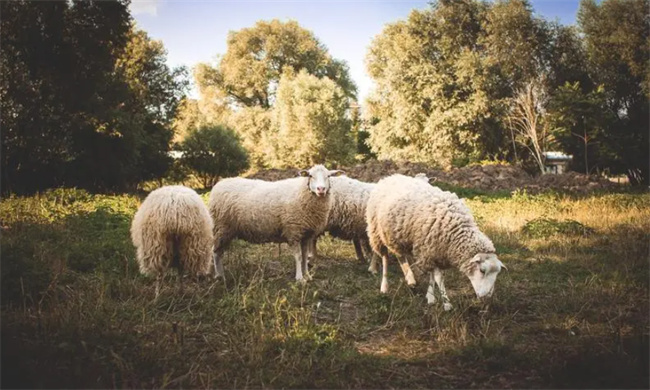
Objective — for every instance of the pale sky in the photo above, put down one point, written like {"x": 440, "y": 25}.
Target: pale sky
{"x": 195, "y": 31}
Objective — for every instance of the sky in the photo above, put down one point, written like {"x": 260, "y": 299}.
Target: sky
{"x": 195, "y": 31}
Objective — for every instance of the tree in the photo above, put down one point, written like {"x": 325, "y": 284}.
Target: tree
{"x": 580, "y": 124}
{"x": 212, "y": 152}
{"x": 310, "y": 122}
{"x": 617, "y": 40}
{"x": 87, "y": 100}
{"x": 144, "y": 120}
{"x": 446, "y": 77}
{"x": 436, "y": 100}
{"x": 57, "y": 88}
{"x": 250, "y": 70}
{"x": 527, "y": 120}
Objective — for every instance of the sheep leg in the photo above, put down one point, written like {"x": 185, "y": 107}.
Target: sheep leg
{"x": 307, "y": 247}
{"x": 158, "y": 282}
{"x": 357, "y": 248}
{"x": 438, "y": 277}
{"x": 431, "y": 297}
{"x": 297, "y": 253}
{"x": 218, "y": 264}
{"x": 384, "y": 271}
{"x": 373, "y": 257}
{"x": 312, "y": 248}
{"x": 406, "y": 269}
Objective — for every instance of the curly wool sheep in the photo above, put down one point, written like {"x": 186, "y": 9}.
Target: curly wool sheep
{"x": 172, "y": 229}
{"x": 292, "y": 210}
{"x": 412, "y": 219}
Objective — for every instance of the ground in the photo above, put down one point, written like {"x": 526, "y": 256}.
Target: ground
{"x": 571, "y": 312}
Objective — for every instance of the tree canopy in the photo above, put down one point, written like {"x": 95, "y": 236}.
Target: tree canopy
{"x": 87, "y": 100}
{"x": 250, "y": 70}
{"x": 449, "y": 77}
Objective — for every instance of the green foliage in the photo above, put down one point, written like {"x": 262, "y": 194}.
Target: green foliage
{"x": 257, "y": 56}
{"x": 617, "y": 39}
{"x": 253, "y": 125}
{"x": 310, "y": 122}
{"x": 212, "y": 152}
{"x": 244, "y": 91}
{"x": 546, "y": 227}
{"x": 445, "y": 75}
{"x": 581, "y": 124}
{"x": 77, "y": 112}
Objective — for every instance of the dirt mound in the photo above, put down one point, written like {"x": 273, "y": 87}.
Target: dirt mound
{"x": 482, "y": 177}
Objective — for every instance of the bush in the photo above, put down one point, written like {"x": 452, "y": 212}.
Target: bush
{"x": 212, "y": 152}
{"x": 546, "y": 227}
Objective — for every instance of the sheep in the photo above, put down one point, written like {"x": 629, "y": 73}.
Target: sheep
{"x": 412, "y": 219}
{"x": 292, "y": 210}
{"x": 347, "y": 217}
{"x": 172, "y": 229}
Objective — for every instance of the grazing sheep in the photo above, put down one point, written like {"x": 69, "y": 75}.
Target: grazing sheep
{"x": 172, "y": 229}
{"x": 410, "y": 218}
{"x": 292, "y": 210}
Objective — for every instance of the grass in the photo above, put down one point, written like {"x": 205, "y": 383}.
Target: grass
{"x": 572, "y": 312}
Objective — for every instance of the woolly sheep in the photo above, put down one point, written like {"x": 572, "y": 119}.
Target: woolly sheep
{"x": 172, "y": 229}
{"x": 412, "y": 219}
{"x": 292, "y": 210}
{"x": 347, "y": 217}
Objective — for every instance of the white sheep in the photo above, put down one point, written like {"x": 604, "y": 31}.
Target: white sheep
{"x": 292, "y": 210}
{"x": 172, "y": 229}
{"x": 412, "y": 219}
{"x": 347, "y": 217}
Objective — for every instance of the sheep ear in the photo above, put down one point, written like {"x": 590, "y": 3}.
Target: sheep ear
{"x": 503, "y": 266}
{"x": 336, "y": 173}
{"x": 433, "y": 179}
{"x": 476, "y": 259}
{"x": 303, "y": 173}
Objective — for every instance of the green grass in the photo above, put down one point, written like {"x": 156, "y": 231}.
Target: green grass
{"x": 572, "y": 312}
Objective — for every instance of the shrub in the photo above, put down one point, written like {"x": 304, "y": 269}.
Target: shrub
{"x": 212, "y": 152}
{"x": 546, "y": 227}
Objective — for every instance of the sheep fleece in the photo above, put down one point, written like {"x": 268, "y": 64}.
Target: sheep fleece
{"x": 173, "y": 215}
{"x": 259, "y": 211}
{"x": 411, "y": 217}
{"x": 347, "y": 218}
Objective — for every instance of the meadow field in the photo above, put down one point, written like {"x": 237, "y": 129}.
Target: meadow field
{"x": 571, "y": 312}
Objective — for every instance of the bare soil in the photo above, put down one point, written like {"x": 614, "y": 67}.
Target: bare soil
{"x": 481, "y": 177}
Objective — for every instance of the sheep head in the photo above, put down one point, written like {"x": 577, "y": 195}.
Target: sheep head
{"x": 483, "y": 271}
{"x": 318, "y": 179}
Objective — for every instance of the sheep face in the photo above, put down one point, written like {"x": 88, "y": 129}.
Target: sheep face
{"x": 318, "y": 179}
{"x": 483, "y": 273}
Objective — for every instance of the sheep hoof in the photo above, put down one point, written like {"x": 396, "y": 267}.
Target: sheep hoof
{"x": 447, "y": 306}
{"x": 302, "y": 281}
{"x": 384, "y": 287}
{"x": 410, "y": 279}
{"x": 372, "y": 270}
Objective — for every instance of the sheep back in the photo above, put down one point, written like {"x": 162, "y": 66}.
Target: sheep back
{"x": 347, "y": 217}
{"x": 173, "y": 218}
{"x": 259, "y": 211}
{"x": 410, "y": 217}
